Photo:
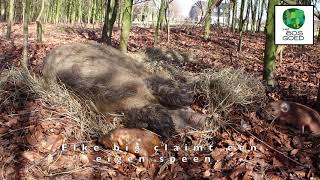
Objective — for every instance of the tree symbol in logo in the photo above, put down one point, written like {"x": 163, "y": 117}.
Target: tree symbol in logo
{"x": 293, "y": 18}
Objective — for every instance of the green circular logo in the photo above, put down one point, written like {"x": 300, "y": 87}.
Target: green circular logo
{"x": 294, "y": 18}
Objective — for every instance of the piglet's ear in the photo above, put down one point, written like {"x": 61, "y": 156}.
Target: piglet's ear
{"x": 284, "y": 107}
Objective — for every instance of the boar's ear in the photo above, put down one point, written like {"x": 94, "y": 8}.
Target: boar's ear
{"x": 284, "y": 107}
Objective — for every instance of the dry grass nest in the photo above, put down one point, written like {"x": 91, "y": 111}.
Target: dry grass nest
{"x": 225, "y": 91}
{"x": 228, "y": 87}
{"x": 91, "y": 123}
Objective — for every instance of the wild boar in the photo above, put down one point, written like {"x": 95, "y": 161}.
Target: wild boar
{"x": 294, "y": 114}
{"x": 136, "y": 141}
{"x": 116, "y": 82}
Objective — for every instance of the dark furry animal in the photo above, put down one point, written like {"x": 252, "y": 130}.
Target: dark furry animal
{"x": 116, "y": 82}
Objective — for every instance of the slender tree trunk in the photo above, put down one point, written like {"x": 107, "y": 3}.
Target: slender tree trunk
{"x": 159, "y": 22}
{"x": 229, "y": 15}
{"x": 318, "y": 97}
{"x": 254, "y": 14}
{"x": 218, "y": 13}
{"x": 113, "y": 20}
{"x": 24, "y": 63}
{"x": 234, "y": 15}
{"x": 270, "y": 47}
{"x": 32, "y": 11}
{"x": 58, "y": 9}
{"x": 39, "y": 25}
{"x": 241, "y": 25}
{"x": 167, "y": 20}
{"x": 3, "y": 10}
{"x": 318, "y": 39}
{"x": 120, "y": 13}
{"x": 10, "y": 18}
{"x": 79, "y": 15}
{"x": 126, "y": 25}
{"x": 1, "y": 13}
{"x": 241, "y": 20}
{"x": 105, "y": 29}
{"x": 260, "y": 16}
{"x": 110, "y": 18}
{"x": 247, "y": 18}
{"x": 89, "y": 12}
{"x": 207, "y": 21}
{"x": 93, "y": 12}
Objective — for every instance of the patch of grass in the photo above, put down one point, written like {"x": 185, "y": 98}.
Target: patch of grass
{"x": 228, "y": 87}
{"x": 91, "y": 123}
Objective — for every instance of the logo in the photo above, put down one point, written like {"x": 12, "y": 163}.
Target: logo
{"x": 294, "y": 18}
{"x": 294, "y": 25}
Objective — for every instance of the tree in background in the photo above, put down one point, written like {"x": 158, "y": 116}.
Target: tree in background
{"x": 318, "y": 97}
{"x": 10, "y": 18}
{"x": 26, "y": 9}
{"x": 262, "y": 5}
{"x": 160, "y": 20}
{"x": 229, "y": 14}
{"x": 234, "y": 15}
{"x": 126, "y": 25}
{"x": 247, "y": 14}
{"x": 318, "y": 39}
{"x": 109, "y": 19}
{"x": 3, "y": 11}
{"x": 39, "y": 25}
{"x": 106, "y": 25}
{"x": 167, "y": 12}
{"x": 270, "y": 47}
{"x": 317, "y": 14}
{"x": 241, "y": 24}
{"x": 207, "y": 21}
{"x": 254, "y": 12}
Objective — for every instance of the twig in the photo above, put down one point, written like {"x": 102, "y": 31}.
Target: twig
{"x": 15, "y": 130}
{"x": 277, "y": 150}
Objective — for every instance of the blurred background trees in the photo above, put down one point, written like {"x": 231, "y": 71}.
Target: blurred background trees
{"x": 159, "y": 15}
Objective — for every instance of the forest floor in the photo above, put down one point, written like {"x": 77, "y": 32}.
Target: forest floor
{"x": 28, "y": 143}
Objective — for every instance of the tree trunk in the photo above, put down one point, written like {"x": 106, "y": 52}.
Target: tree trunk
{"x": 318, "y": 97}
{"x": 167, "y": 20}
{"x": 39, "y": 25}
{"x": 318, "y": 39}
{"x": 58, "y": 9}
{"x": 229, "y": 15}
{"x": 3, "y": 10}
{"x": 1, "y": 13}
{"x": 270, "y": 47}
{"x": 89, "y": 12}
{"x": 248, "y": 15}
{"x": 241, "y": 20}
{"x": 120, "y": 13}
{"x": 254, "y": 8}
{"x": 10, "y": 18}
{"x": 105, "y": 29}
{"x": 218, "y": 13}
{"x": 79, "y": 15}
{"x": 234, "y": 15}
{"x": 241, "y": 25}
{"x": 126, "y": 25}
{"x": 93, "y": 12}
{"x": 260, "y": 16}
{"x": 159, "y": 21}
{"x": 24, "y": 62}
{"x": 207, "y": 21}
{"x": 113, "y": 19}
{"x": 110, "y": 18}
